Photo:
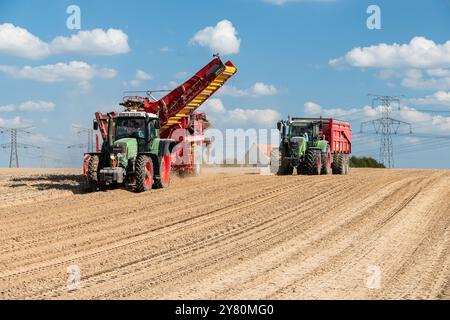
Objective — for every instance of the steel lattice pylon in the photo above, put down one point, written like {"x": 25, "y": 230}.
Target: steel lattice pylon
{"x": 14, "y": 144}
{"x": 386, "y": 127}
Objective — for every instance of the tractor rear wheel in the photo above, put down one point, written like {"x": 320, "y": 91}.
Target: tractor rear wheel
{"x": 92, "y": 173}
{"x": 326, "y": 162}
{"x": 144, "y": 173}
{"x": 164, "y": 173}
{"x": 313, "y": 162}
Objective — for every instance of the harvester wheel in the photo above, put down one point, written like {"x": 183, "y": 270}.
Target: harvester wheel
{"x": 313, "y": 162}
{"x": 164, "y": 173}
{"x": 326, "y": 162}
{"x": 144, "y": 173}
{"x": 92, "y": 173}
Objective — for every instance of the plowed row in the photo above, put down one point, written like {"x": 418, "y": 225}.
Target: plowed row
{"x": 228, "y": 234}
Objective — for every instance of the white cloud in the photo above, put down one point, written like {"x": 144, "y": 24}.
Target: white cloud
{"x": 239, "y": 117}
{"x": 141, "y": 76}
{"x": 20, "y": 42}
{"x": 420, "y": 81}
{"x": 164, "y": 49}
{"x": 36, "y": 106}
{"x": 222, "y": 38}
{"x": 14, "y": 122}
{"x": 74, "y": 70}
{"x": 92, "y": 42}
{"x": 313, "y": 109}
{"x": 418, "y": 53}
{"x": 257, "y": 90}
{"x": 438, "y": 98}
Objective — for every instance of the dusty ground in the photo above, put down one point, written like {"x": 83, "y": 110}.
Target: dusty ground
{"x": 228, "y": 234}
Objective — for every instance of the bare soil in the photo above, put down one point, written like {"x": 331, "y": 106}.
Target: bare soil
{"x": 228, "y": 234}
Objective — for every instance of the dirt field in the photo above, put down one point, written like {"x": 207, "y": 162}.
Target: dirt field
{"x": 228, "y": 234}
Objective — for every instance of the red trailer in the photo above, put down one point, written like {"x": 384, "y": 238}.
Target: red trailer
{"x": 339, "y": 135}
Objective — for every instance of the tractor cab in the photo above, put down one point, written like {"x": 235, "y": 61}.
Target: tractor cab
{"x": 139, "y": 127}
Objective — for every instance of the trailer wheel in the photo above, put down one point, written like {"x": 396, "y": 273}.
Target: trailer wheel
{"x": 313, "y": 162}
{"x": 164, "y": 173}
{"x": 340, "y": 164}
{"x": 347, "y": 164}
{"x": 326, "y": 162}
{"x": 144, "y": 173}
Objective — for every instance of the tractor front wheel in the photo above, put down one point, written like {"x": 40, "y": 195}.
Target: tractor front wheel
{"x": 313, "y": 162}
{"x": 144, "y": 173}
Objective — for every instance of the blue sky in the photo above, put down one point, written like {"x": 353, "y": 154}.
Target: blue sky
{"x": 283, "y": 56}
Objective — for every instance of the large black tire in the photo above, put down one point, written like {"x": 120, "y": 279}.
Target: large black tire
{"x": 165, "y": 173}
{"x": 279, "y": 166}
{"x": 144, "y": 173}
{"x": 313, "y": 162}
{"x": 326, "y": 162}
{"x": 347, "y": 163}
{"x": 340, "y": 164}
{"x": 92, "y": 173}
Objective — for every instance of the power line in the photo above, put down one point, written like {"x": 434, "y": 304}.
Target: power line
{"x": 13, "y": 145}
{"x": 386, "y": 127}
{"x": 90, "y": 137}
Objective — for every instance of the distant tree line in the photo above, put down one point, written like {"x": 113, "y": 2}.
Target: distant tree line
{"x": 365, "y": 162}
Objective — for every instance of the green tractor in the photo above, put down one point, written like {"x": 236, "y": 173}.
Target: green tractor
{"x": 132, "y": 153}
{"x": 304, "y": 147}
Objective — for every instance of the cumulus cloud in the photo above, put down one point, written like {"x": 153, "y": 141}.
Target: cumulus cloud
{"x": 257, "y": 90}
{"x": 419, "y": 64}
{"x": 314, "y": 109}
{"x": 418, "y": 53}
{"x": 20, "y": 42}
{"x": 441, "y": 98}
{"x": 140, "y": 77}
{"x": 223, "y": 38}
{"x": 239, "y": 117}
{"x": 36, "y": 106}
{"x": 92, "y": 42}
{"x": 14, "y": 122}
{"x": 74, "y": 70}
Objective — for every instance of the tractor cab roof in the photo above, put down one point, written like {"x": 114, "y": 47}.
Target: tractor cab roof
{"x": 137, "y": 114}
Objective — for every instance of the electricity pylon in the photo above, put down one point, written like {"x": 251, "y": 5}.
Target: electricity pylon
{"x": 13, "y": 144}
{"x": 386, "y": 127}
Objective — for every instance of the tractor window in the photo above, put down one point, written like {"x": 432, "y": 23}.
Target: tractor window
{"x": 130, "y": 128}
{"x": 152, "y": 128}
{"x": 299, "y": 131}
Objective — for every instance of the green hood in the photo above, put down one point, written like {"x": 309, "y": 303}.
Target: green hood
{"x": 127, "y": 148}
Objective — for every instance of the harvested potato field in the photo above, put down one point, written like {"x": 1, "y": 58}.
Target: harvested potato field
{"x": 228, "y": 234}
